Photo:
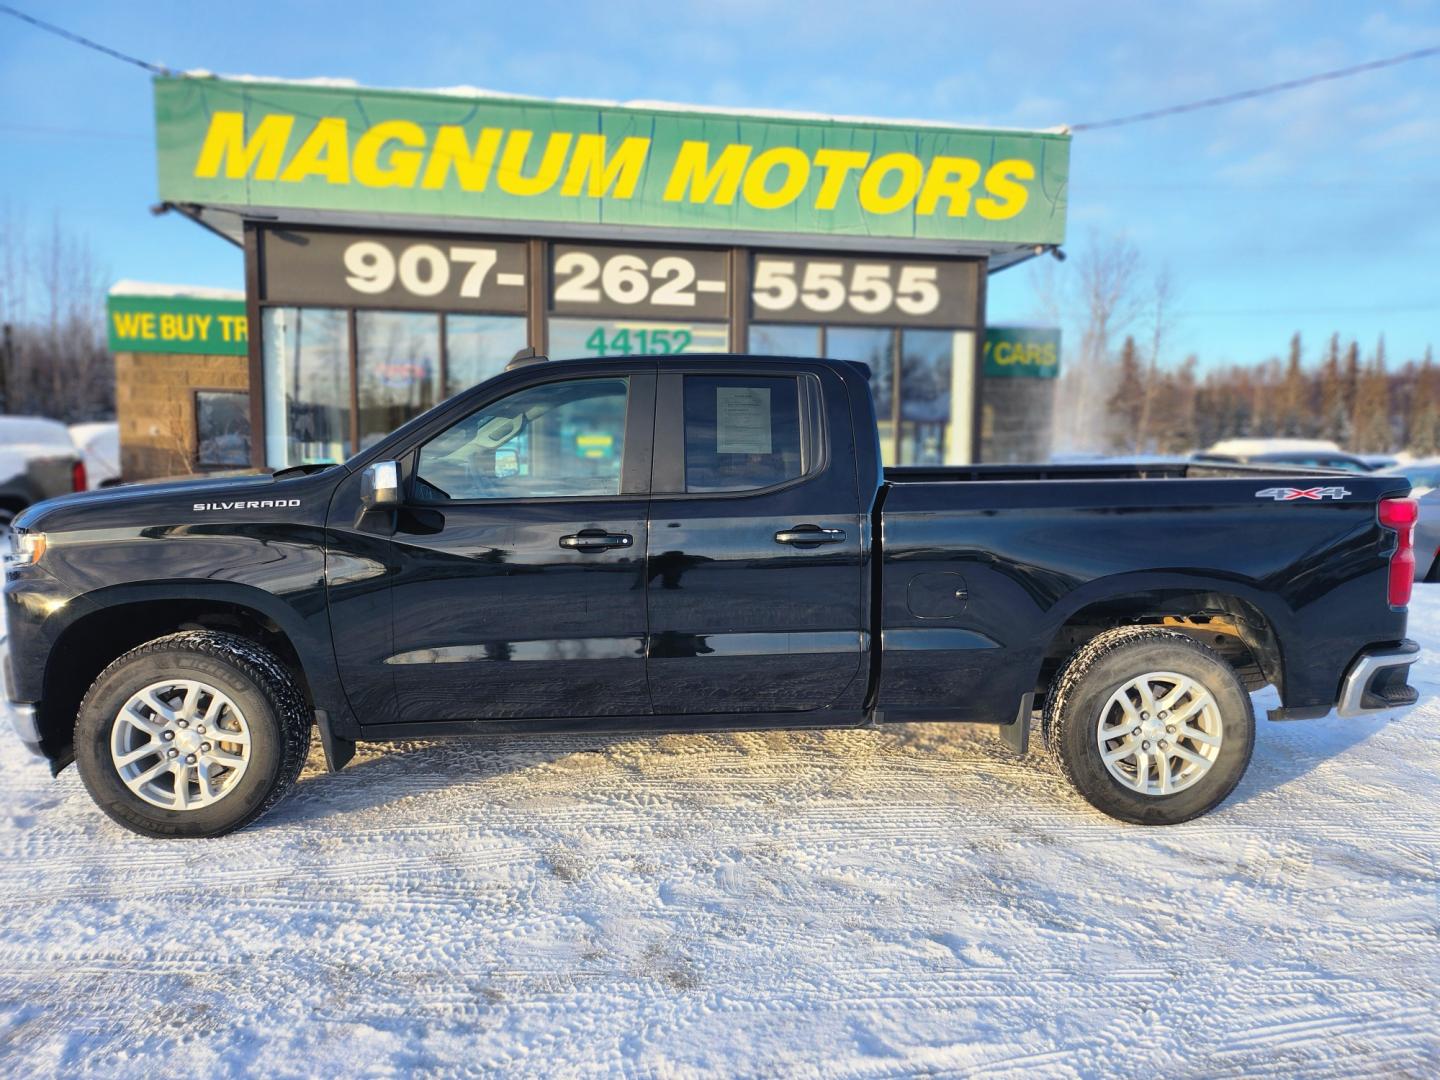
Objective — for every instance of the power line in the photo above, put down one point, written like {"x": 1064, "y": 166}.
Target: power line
{"x": 1261, "y": 91}
{"x": 68, "y": 35}
{"x": 1341, "y": 309}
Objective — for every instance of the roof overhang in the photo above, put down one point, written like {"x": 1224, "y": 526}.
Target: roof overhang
{"x": 229, "y": 222}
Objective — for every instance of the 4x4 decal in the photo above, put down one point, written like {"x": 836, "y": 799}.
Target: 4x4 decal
{"x": 1292, "y": 494}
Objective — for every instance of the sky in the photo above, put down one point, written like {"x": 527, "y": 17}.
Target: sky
{"x": 1313, "y": 211}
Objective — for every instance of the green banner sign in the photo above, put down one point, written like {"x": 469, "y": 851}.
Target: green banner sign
{"x": 1023, "y": 352}
{"x": 279, "y": 145}
{"x": 176, "y": 324}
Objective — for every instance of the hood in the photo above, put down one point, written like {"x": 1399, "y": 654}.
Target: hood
{"x": 168, "y": 500}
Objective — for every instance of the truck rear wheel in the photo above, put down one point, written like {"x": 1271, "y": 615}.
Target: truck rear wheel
{"x": 1150, "y": 725}
{"x": 193, "y": 734}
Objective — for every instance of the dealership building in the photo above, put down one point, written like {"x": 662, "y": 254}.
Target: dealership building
{"x": 401, "y": 246}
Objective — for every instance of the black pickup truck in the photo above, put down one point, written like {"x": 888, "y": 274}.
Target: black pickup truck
{"x": 706, "y": 544}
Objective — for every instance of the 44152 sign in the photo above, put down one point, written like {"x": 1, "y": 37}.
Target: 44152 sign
{"x": 646, "y": 341}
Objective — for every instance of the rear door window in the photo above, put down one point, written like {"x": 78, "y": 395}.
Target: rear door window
{"x": 742, "y": 433}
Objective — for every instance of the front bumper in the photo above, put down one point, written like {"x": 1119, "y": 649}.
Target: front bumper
{"x": 22, "y": 714}
{"x": 1376, "y": 681}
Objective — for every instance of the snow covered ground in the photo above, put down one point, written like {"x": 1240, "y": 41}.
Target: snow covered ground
{"x": 856, "y": 904}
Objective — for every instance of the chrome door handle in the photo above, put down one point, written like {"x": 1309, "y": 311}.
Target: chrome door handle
{"x": 595, "y": 540}
{"x": 805, "y": 535}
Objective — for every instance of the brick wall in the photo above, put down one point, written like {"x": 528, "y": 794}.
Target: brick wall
{"x": 155, "y": 407}
{"x": 1016, "y": 417}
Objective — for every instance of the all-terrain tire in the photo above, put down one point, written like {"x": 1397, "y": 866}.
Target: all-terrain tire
{"x": 251, "y": 676}
{"x": 1078, "y": 700}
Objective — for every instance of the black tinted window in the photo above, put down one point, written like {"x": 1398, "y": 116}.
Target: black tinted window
{"x": 560, "y": 439}
{"x": 740, "y": 432}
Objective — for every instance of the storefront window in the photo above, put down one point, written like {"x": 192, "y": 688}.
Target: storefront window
{"x": 222, "y": 428}
{"x": 874, "y": 346}
{"x": 477, "y": 347}
{"x": 398, "y": 357}
{"x": 777, "y": 339}
{"x": 925, "y": 366}
{"x": 634, "y": 337}
{"x": 426, "y": 331}
{"x": 935, "y": 396}
{"x": 307, "y": 385}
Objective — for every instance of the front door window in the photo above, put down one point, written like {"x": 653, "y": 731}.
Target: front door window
{"x": 555, "y": 440}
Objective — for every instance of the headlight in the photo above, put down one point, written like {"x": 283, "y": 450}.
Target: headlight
{"x": 26, "y": 548}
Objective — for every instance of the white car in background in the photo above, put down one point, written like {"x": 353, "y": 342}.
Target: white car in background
{"x": 38, "y": 460}
{"x": 1423, "y": 474}
{"x": 99, "y": 446}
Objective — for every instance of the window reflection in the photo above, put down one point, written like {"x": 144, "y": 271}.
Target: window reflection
{"x": 477, "y": 347}
{"x": 307, "y": 385}
{"x": 781, "y": 340}
{"x": 398, "y": 355}
{"x": 925, "y": 367}
{"x": 936, "y": 397}
{"x": 222, "y": 428}
{"x": 740, "y": 432}
{"x": 873, "y": 346}
{"x": 555, "y": 440}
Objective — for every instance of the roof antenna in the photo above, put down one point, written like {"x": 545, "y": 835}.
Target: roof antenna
{"x": 525, "y": 357}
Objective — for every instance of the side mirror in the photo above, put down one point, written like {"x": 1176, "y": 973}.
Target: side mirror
{"x": 380, "y": 485}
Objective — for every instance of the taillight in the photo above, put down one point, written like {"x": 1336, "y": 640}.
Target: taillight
{"x": 77, "y": 476}
{"x": 1401, "y": 515}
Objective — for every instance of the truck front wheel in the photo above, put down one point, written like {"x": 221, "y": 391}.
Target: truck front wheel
{"x": 1150, "y": 725}
{"x": 193, "y": 734}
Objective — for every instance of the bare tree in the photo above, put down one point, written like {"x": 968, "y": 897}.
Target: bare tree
{"x": 52, "y": 300}
{"x": 1161, "y": 304}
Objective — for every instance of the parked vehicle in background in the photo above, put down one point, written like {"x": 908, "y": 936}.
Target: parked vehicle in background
{"x": 38, "y": 460}
{"x": 1303, "y": 453}
{"x": 99, "y": 446}
{"x": 1427, "y": 538}
{"x": 626, "y": 544}
{"x": 1423, "y": 474}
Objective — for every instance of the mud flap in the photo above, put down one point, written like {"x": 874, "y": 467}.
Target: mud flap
{"x": 338, "y": 751}
{"x": 1016, "y": 735}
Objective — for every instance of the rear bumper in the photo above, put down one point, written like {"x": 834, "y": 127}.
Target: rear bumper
{"x": 1376, "y": 681}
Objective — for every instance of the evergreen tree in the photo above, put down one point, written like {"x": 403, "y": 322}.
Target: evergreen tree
{"x": 1333, "y": 408}
{"x": 1295, "y": 413}
{"x": 1350, "y": 391}
{"x": 1128, "y": 400}
{"x": 1373, "y": 433}
{"x": 1423, "y": 438}
{"x": 1181, "y": 434}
